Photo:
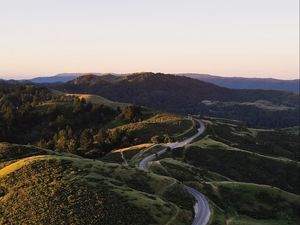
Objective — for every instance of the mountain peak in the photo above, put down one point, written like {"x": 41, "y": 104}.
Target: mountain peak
{"x": 89, "y": 79}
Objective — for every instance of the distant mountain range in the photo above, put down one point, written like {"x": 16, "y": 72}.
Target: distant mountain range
{"x": 179, "y": 94}
{"x": 63, "y": 77}
{"x": 249, "y": 83}
{"x": 229, "y": 82}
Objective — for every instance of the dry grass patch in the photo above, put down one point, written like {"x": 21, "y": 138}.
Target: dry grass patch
{"x": 135, "y": 147}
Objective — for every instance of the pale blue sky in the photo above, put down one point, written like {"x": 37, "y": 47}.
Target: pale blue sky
{"x": 253, "y": 38}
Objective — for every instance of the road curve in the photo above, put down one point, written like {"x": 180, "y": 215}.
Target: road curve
{"x": 201, "y": 208}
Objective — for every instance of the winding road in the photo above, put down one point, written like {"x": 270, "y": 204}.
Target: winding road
{"x": 201, "y": 208}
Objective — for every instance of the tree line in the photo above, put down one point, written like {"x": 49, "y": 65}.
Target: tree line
{"x": 34, "y": 115}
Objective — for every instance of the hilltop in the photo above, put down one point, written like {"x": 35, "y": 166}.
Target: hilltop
{"x": 228, "y": 82}
{"x": 186, "y": 95}
{"x": 53, "y": 188}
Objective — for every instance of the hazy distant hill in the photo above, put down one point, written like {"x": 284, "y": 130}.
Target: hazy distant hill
{"x": 186, "y": 95}
{"x": 248, "y": 83}
{"x": 64, "y": 77}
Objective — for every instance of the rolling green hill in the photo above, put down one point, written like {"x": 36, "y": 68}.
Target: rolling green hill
{"x": 244, "y": 166}
{"x": 272, "y": 142}
{"x": 232, "y": 178}
{"x": 60, "y": 189}
{"x": 233, "y": 202}
{"x": 96, "y": 99}
{"x": 166, "y": 126}
{"x": 244, "y": 203}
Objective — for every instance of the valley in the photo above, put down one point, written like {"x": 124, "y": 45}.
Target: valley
{"x": 74, "y": 158}
{"x": 149, "y": 112}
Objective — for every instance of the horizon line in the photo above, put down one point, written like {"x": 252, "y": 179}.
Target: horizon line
{"x": 28, "y": 77}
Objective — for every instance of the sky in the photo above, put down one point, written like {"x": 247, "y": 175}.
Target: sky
{"x": 247, "y": 38}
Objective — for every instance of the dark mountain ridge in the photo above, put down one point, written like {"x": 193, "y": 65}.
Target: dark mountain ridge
{"x": 229, "y": 82}
{"x": 262, "y": 108}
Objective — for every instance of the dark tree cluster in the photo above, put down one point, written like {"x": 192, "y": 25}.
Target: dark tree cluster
{"x": 132, "y": 113}
{"x": 34, "y": 115}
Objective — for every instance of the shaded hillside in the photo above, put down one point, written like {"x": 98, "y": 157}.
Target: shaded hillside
{"x": 185, "y": 95}
{"x": 249, "y": 83}
{"x": 279, "y": 142}
{"x": 247, "y": 155}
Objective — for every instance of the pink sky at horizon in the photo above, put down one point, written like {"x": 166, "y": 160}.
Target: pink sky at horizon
{"x": 30, "y": 76}
{"x": 249, "y": 38}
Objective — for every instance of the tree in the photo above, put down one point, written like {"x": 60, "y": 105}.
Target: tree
{"x": 86, "y": 140}
{"x": 132, "y": 113}
{"x": 167, "y": 138}
{"x": 72, "y": 145}
{"x": 101, "y": 136}
{"x": 60, "y": 140}
{"x": 155, "y": 139}
{"x": 9, "y": 114}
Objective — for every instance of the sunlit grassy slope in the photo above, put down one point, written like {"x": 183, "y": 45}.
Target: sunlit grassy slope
{"x": 161, "y": 124}
{"x": 134, "y": 147}
{"x": 96, "y": 99}
{"x": 65, "y": 189}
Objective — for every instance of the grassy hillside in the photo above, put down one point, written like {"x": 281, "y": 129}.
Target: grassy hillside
{"x": 10, "y": 153}
{"x": 244, "y": 166}
{"x": 244, "y": 203}
{"x": 183, "y": 171}
{"x": 58, "y": 189}
{"x": 275, "y": 142}
{"x": 234, "y": 202}
{"x": 167, "y": 127}
{"x": 245, "y": 154}
{"x": 132, "y": 156}
{"x": 217, "y": 166}
{"x": 96, "y": 99}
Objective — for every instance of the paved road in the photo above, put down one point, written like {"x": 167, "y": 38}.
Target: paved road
{"x": 202, "y": 212}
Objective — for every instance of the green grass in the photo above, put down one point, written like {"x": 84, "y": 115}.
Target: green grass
{"x": 62, "y": 189}
{"x": 98, "y": 100}
{"x": 161, "y": 124}
{"x": 10, "y": 153}
{"x": 245, "y": 166}
{"x": 273, "y": 142}
{"x": 260, "y": 203}
{"x": 183, "y": 172}
{"x": 208, "y": 142}
{"x": 243, "y": 220}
